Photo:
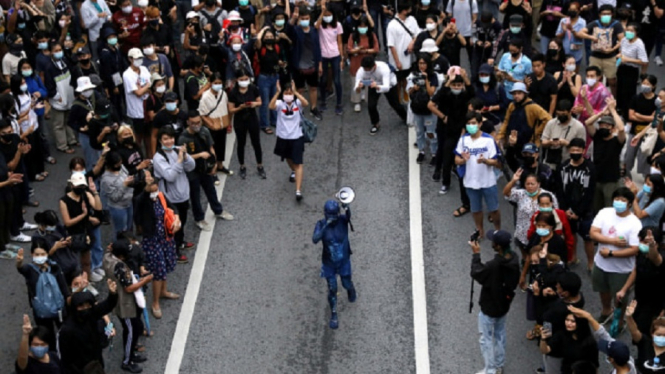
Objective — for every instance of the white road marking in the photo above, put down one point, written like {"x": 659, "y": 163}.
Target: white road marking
{"x": 417, "y": 262}
{"x": 195, "y": 277}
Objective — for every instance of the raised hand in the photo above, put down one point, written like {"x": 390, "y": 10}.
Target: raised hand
{"x": 27, "y": 326}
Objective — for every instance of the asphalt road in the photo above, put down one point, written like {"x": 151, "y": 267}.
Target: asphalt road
{"x": 262, "y": 306}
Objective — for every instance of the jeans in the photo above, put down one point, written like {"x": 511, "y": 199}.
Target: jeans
{"x": 267, "y": 87}
{"x": 492, "y": 341}
{"x": 122, "y": 218}
{"x": 96, "y": 252}
{"x": 132, "y": 328}
{"x": 205, "y": 181}
{"x": 426, "y": 129}
{"x": 326, "y": 62}
{"x": 544, "y": 43}
{"x": 179, "y": 236}
{"x": 90, "y": 154}
{"x": 393, "y": 100}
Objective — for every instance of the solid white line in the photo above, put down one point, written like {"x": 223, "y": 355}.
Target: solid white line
{"x": 179, "y": 342}
{"x": 417, "y": 263}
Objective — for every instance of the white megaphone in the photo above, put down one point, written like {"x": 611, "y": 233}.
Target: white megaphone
{"x": 345, "y": 195}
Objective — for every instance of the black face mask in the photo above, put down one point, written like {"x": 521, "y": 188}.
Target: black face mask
{"x": 603, "y": 133}
{"x": 572, "y": 13}
{"x": 233, "y": 27}
{"x": 84, "y": 61}
{"x": 515, "y": 55}
{"x": 575, "y": 156}
{"x": 79, "y": 190}
{"x": 529, "y": 160}
{"x": 153, "y": 22}
{"x": 83, "y": 315}
{"x": 563, "y": 118}
{"x": 355, "y": 12}
{"x": 7, "y": 138}
{"x": 116, "y": 167}
{"x": 127, "y": 141}
{"x": 269, "y": 42}
{"x": 552, "y": 52}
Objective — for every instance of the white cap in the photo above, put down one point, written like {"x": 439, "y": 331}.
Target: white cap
{"x": 78, "y": 179}
{"x": 191, "y": 14}
{"x": 135, "y": 53}
{"x": 84, "y": 84}
{"x": 429, "y": 46}
{"x": 235, "y": 16}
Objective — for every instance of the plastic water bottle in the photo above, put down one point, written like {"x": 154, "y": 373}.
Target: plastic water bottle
{"x": 68, "y": 37}
{"x": 656, "y": 363}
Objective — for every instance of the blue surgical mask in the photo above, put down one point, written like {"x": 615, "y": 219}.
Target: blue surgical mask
{"x": 58, "y": 55}
{"x": 659, "y": 341}
{"x": 327, "y": 19}
{"x": 304, "y": 23}
{"x": 24, "y": 88}
{"x": 39, "y": 352}
{"x": 280, "y": 22}
{"x": 620, "y": 206}
{"x": 646, "y": 189}
{"x": 243, "y": 2}
{"x": 542, "y": 231}
{"x": 543, "y": 209}
{"x": 471, "y": 128}
{"x": 42, "y": 46}
{"x": 515, "y": 29}
{"x": 217, "y": 87}
{"x": 484, "y": 80}
{"x": 39, "y": 260}
{"x": 26, "y": 73}
{"x": 532, "y": 194}
{"x": 362, "y": 30}
{"x": 165, "y": 148}
{"x": 425, "y": 2}
{"x": 629, "y": 35}
{"x": 112, "y": 41}
{"x": 171, "y": 106}
{"x": 606, "y": 19}
{"x": 50, "y": 228}
{"x": 644, "y": 248}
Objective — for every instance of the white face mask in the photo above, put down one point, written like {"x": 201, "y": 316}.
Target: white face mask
{"x": 153, "y": 195}
{"x": 217, "y": 87}
{"x": 87, "y": 93}
{"x": 160, "y": 89}
{"x": 243, "y": 84}
{"x": 327, "y": 19}
{"x": 430, "y": 26}
{"x": 127, "y": 9}
{"x": 571, "y": 67}
{"x": 62, "y": 23}
{"x": 39, "y": 260}
{"x": 236, "y": 47}
{"x": 148, "y": 51}
{"x": 138, "y": 62}
{"x": 288, "y": 98}
{"x": 591, "y": 81}
{"x": 142, "y": 3}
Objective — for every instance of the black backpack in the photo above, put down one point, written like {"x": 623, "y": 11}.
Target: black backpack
{"x": 213, "y": 34}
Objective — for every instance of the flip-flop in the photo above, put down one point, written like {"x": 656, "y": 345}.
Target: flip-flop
{"x": 268, "y": 130}
{"x": 51, "y": 160}
{"x": 458, "y": 212}
{"x": 39, "y": 178}
{"x": 32, "y": 204}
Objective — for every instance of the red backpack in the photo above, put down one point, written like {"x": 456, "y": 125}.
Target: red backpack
{"x": 255, "y": 63}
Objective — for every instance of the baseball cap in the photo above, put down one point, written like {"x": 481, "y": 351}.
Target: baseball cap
{"x": 485, "y": 69}
{"x": 607, "y": 119}
{"x": 156, "y": 77}
{"x": 83, "y": 51}
{"x": 135, "y": 53}
{"x": 78, "y": 179}
{"x": 96, "y": 80}
{"x": 616, "y": 349}
{"x": 191, "y": 14}
{"x": 519, "y": 86}
{"x": 530, "y": 148}
{"x": 500, "y": 237}
{"x": 170, "y": 96}
{"x": 516, "y": 19}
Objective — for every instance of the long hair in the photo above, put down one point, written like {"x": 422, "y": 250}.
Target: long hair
{"x": 370, "y": 32}
{"x": 332, "y": 23}
{"x": 658, "y": 189}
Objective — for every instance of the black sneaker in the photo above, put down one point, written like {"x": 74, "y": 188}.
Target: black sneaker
{"x": 432, "y": 162}
{"x": 316, "y": 113}
{"x": 374, "y": 130}
{"x": 353, "y": 295}
{"x": 132, "y": 368}
{"x": 243, "y": 172}
{"x": 420, "y": 158}
{"x": 298, "y": 196}
{"x": 262, "y": 172}
{"x": 437, "y": 175}
{"x": 139, "y": 359}
{"x": 226, "y": 171}
{"x": 292, "y": 177}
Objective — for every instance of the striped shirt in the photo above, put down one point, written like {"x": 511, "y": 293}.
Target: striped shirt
{"x": 634, "y": 50}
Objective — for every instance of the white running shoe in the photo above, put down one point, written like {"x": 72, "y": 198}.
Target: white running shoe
{"x": 226, "y": 216}
{"x": 21, "y": 238}
{"x": 357, "y": 108}
{"x": 27, "y": 226}
{"x": 203, "y": 225}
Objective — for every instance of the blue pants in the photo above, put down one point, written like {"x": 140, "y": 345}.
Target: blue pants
{"x": 122, "y": 218}
{"x": 267, "y": 87}
{"x": 426, "y": 130}
{"x": 90, "y": 154}
{"x": 96, "y": 252}
{"x": 326, "y": 62}
{"x": 347, "y": 283}
{"x": 205, "y": 181}
{"x": 492, "y": 341}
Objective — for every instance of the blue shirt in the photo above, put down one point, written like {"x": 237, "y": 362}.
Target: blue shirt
{"x": 35, "y": 85}
{"x": 518, "y": 70}
{"x": 335, "y": 238}
{"x": 655, "y": 209}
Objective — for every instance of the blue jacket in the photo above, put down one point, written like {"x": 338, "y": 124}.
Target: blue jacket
{"x": 35, "y": 84}
{"x": 335, "y": 237}
{"x": 298, "y": 38}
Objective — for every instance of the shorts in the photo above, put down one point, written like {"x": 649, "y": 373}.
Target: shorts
{"x": 605, "y": 282}
{"x": 402, "y": 74}
{"x": 141, "y": 127}
{"x": 476, "y": 196}
{"x": 581, "y": 227}
{"x": 300, "y": 79}
{"x": 291, "y": 149}
{"x": 607, "y": 65}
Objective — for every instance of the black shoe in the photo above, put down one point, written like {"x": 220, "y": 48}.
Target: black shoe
{"x": 432, "y": 162}
{"x": 139, "y": 359}
{"x": 292, "y": 178}
{"x": 420, "y": 158}
{"x": 316, "y": 113}
{"x": 262, "y": 172}
{"x": 298, "y": 196}
{"x": 132, "y": 368}
{"x": 243, "y": 172}
{"x": 334, "y": 323}
{"x": 353, "y": 295}
{"x": 226, "y": 171}
{"x": 437, "y": 175}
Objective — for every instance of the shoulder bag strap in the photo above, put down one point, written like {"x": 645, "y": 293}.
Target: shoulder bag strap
{"x": 219, "y": 100}
{"x": 404, "y": 26}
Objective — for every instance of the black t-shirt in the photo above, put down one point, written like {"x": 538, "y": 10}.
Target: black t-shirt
{"x": 131, "y": 157}
{"x": 193, "y": 84}
{"x": 556, "y": 246}
{"x": 163, "y": 37}
{"x": 649, "y": 282}
{"x": 154, "y": 103}
{"x": 421, "y": 15}
{"x": 541, "y": 91}
{"x": 644, "y": 106}
{"x": 236, "y": 97}
{"x": 606, "y": 155}
{"x": 607, "y": 36}
{"x": 451, "y": 47}
{"x": 557, "y": 312}
{"x": 562, "y": 344}
{"x": 178, "y": 121}
{"x": 550, "y": 22}
{"x": 646, "y": 355}
{"x": 247, "y": 15}
{"x": 269, "y": 61}
{"x": 37, "y": 367}
{"x": 441, "y": 65}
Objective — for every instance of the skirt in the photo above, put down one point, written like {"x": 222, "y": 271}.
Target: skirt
{"x": 290, "y": 149}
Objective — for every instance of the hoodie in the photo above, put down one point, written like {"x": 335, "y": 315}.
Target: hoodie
{"x": 499, "y": 277}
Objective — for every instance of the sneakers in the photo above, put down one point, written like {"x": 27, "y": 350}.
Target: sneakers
{"x": 316, "y": 113}
{"x": 226, "y": 171}
{"x": 132, "y": 368}
{"x": 95, "y": 277}
{"x": 298, "y": 196}
{"x": 443, "y": 190}
{"x": 20, "y": 238}
{"x": 292, "y": 178}
{"x": 420, "y": 158}
{"x": 339, "y": 110}
{"x": 374, "y": 130}
{"x": 187, "y": 245}
{"x": 28, "y": 226}
{"x": 243, "y": 172}
{"x": 659, "y": 61}
{"x": 226, "y": 216}
{"x": 432, "y": 162}
{"x": 482, "y": 372}
{"x": 437, "y": 175}
{"x": 216, "y": 179}
{"x": 353, "y": 295}
{"x": 203, "y": 226}
{"x": 322, "y": 107}
{"x": 357, "y": 108}
{"x": 138, "y": 359}
{"x": 182, "y": 259}
{"x": 334, "y": 323}
{"x": 99, "y": 271}
{"x": 262, "y": 172}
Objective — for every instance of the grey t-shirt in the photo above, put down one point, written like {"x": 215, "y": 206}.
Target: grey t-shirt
{"x": 307, "y": 56}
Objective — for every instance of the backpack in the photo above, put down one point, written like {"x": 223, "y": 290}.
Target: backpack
{"x": 48, "y": 300}
{"x": 255, "y": 62}
{"x": 213, "y": 35}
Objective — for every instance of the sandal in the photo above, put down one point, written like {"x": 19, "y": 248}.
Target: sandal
{"x": 145, "y": 333}
{"x": 39, "y": 178}
{"x": 157, "y": 313}
{"x": 140, "y": 347}
{"x": 50, "y": 160}
{"x": 460, "y": 211}
{"x": 170, "y": 296}
{"x": 67, "y": 150}
{"x": 489, "y": 218}
{"x": 268, "y": 130}
{"x": 44, "y": 174}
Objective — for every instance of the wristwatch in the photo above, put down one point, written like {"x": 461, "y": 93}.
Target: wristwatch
{"x": 611, "y": 254}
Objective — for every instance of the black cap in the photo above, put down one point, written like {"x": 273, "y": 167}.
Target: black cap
{"x": 500, "y": 237}
{"x": 83, "y": 51}
{"x": 355, "y": 4}
{"x": 615, "y": 349}
{"x": 96, "y": 80}
{"x": 170, "y": 96}
{"x": 103, "y": 107}
{"x": 516, "y": 19}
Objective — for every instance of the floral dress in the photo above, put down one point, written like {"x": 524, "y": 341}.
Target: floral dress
{"x": 526, "y": 208}
{"x": 159, "y": 249}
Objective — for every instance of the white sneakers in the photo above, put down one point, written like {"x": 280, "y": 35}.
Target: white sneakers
{"x": 203, "y": 225}
{"x": 27, "y": 226}
{"x": 97, "y": 275}
{"x": 356, "y": 108}
{"x": 21, "y": 238}
{"x": 226, "y": 216}
{"x": 659, "y": 61}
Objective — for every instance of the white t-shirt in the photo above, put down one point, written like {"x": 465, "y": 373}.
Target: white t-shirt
{"x": 399, "y": 38}
{"x": 613, "y": 226}
{"x": 10, "y": 63}
{"x": 288, "y": 119}
{"x": 381, "y": 75}
{"x": 477, "y": 175}
{"x": 462, "y": 15}
{"x": 131, "y": 80}
{"x": 216, "y": 106}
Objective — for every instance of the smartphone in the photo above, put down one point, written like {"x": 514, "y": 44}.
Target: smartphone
{"x": 367, "y": 82}
{"x": 555, "y": 139}
{"x": 248, "y": 103}
{"x": 547, "y": 326}
{"x": 474, "y": 237}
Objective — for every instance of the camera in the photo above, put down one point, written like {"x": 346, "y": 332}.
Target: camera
{"x": 475, "y": 236}
{"x": 419, "y": 79}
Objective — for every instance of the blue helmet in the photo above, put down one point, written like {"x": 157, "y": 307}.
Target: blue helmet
{"x": 331, "y": 209}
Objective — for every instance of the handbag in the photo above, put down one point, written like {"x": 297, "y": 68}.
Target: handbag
{"x": 309, "y": 129}
{"x": 138, "y": 294}
{"x": 649, "y": 141}
{"x": 80, "y": 243}
{"x": 169, "y": 216}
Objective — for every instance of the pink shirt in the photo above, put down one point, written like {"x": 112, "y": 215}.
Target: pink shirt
{"x": 328, "y": 40}
{"x": 596, "y": 98}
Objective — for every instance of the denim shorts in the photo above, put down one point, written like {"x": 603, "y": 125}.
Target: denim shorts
{"x": 476, "y": 196}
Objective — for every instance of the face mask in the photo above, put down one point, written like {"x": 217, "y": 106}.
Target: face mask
{"x": 129, "y": 140}
{"x": 195, "y": 129}
{"x": 217, "y": 87}
{"x": 21, "y": 26}
{"x": 543, "y": 209}
{"x": 49, "y": 228}
{"x": 575, "y": 156}
{"x": 78, "y": 289}
{"x": 280, "y": 22}
{"x": 484, "y": 80}
{"x": 620, "y": 206}
{"x": 528, "y": 160}
{"x": 515, "y": 29}
{"x": 148, "y": 51}
{"x": 7, "y": 137}
{"x": 142, "y": 3}
{"x": 659, "y": 341}
{"x": 327, "y": 19}
{"x": 243, "y": 84}
{"x": 653, "y": 170}
{"x": 425, "y": 2}
{"x": 127, "y": 9}
{"x": 236, "y": 47}
{"x": 160, "y": 89}
{"x": 658, "y": 102}
{"x": 471, "y": 128}
{"x": 430, "y": 26}
{"x": 645, "y": 88}
{"x": 644, "y": 248}
{"x": 605, "y": 19}
{"x": 171, "y": 106}
{"x": 288, "y": 98}
{"x": 137, "y": 62}
{"x": 362, "y": 30}
{"x": 563, "y": 118}
{"x": 571, "y": 67}
{"x": 542, "y": 232}
{"x": 603, "y": 133}
{"x": 591, "y": 81}
{"x": 84, "y": 61}
{"x": 532, "y": 194}
{"x": 87, "y": 93}
{"x": 39, "y": 260}
{"x": 630, "y": 35}
{"x": 153, "y": 22}
{"x": 83, "y": 315}
{"x": 455, "y": 91}
{"x": 269, "y": 41}
{"x": 304, "y": 23}
{"x": 42, "y": 46}
{"x": 116, "y": 167}
{"x": 58, "y": 55}
{"x": 154, "y": 195}
{"x": 243, "y": 2}
{"x": 79, "y": 191}
{"x": 112, "y": 41}
{"x": 552, "y": 52}
{"x": 646, "y": 189}
{"x": 24, "y": 87}
{"x": 39, "y": 352}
